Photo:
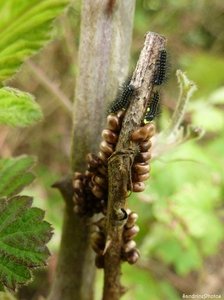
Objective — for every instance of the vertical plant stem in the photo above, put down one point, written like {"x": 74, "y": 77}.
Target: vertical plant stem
{"x": 106, "y": 32}
{"x": 120, "y": 162}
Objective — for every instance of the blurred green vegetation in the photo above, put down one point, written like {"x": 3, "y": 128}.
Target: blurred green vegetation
{"x": 181, "y": 212}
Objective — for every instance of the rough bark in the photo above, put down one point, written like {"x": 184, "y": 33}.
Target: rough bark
{"x": 106, "y": 32}
{"x": 120, "y": 162}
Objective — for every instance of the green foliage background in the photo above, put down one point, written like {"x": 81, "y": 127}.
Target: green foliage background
{"x": 181, "y": 211}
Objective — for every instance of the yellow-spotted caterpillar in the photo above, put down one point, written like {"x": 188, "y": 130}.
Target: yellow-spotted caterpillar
{"x": 153, "y": 107}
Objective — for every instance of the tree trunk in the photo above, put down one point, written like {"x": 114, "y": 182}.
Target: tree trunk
{"x": 106, "y": 33}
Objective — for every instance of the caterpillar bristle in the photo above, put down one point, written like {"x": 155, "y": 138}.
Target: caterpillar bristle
{"x": 161, "y": 63}
{"x": 123, "y": 98}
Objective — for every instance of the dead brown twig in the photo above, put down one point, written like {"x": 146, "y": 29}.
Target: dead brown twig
{"x": 119, "y": 164}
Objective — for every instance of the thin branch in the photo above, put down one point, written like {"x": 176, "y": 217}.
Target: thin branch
{"x": 120, "y": 163}
{"x": 51, "y": 87}
{"x": 187, "y": 88}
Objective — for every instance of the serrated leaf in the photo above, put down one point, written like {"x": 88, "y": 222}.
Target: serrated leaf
{"x": 18, "y": 108}
{"x": 24, "y": 27}
{"x": 15, "y": 175}
{"x": 23, "y": 235}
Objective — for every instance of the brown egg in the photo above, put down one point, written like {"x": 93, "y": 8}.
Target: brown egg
{"x": 143, "y": 157}
{"x": 77, "y": 209}
{"x": 97, "y": 191}
{"x": 100, "y": 181}
{"x": 138, "y": 187}
{"x": 127, "y": 247}
{"x": 103, "y": 156}
{"x": 130, "y": 233}
{"x": 109, "y": 136}
{"x": 140, "y": 178}
{"x": 79, "y": 200}
{"x": 120, "y": 115}
{"x": 102, "y": 170}
{"x": 97, "y": 240}
{"x": 76, "y": 195}
{"x": 106, "y": 148}
{"x": 141, "y": 168}
{"x": 77, "y": 175}
{"x": 77, "y": 184}
{"x": 101, "y": 223}
{"x": 92, "y": 160}
{"x": 132, "y": 256}
{"x": 132, "y": 218}
{"x": 145, "y": 146}
{"x": 143, "y": 133}
{"x": 113, "y": 123}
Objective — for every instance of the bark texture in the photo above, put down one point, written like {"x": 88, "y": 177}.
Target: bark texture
{"x": 120, "y": 162}
{"x": 106, "y": 33}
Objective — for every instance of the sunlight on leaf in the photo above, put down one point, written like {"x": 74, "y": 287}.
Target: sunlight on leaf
{"x": 15, "y": 174}
{"x": 24, "y": 28}
{"x": 18, "y": 108}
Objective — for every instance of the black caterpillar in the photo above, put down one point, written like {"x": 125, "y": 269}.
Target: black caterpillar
{"x": 160, "y": 74}
{"x": 153, "y": 106}
{"x": 123, "y": 98}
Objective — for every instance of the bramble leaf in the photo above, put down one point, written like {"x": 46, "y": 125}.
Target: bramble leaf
{"x": 15, "y": 174}
{"x": 18, "y": 108}
{"x": 23, "y": 238}
{"x": 24, "y": 28}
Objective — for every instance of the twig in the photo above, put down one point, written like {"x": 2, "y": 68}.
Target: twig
{"x": 51, "y": 87}
{"x": 187, "y": 88}
{"x": 119, "y": 164}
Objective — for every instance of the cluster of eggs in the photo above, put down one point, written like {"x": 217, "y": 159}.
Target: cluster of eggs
{"x": 129, "y": 252}
{"x": 91, "y": 188}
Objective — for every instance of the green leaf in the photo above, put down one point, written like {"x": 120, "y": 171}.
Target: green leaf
{"x": 15, "y": 175}
{"x": 18, "y": 108}
{"x": 24, "y": 28}
{"x": 23, "y": 235}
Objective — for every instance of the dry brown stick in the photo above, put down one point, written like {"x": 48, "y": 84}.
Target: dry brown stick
{"x": 119, "y": 164}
